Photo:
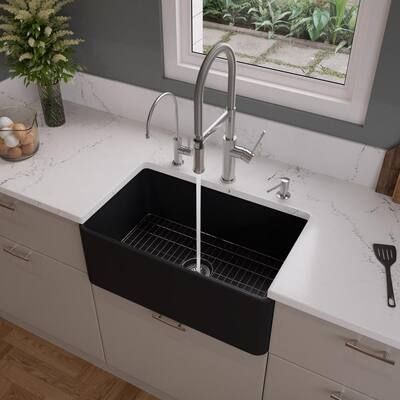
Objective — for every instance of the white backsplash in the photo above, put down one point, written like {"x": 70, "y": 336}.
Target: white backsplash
{"x": 13, "y": 93}
{"x": 346, "y": 160}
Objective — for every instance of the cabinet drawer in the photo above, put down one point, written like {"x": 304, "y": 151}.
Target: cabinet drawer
{"x": 286, "y": 381}
{"x": 336, "y": 353}
{"x": 42, "y": 231}
{"x": 49, "y": 296}
{"x": 178, "y": 361}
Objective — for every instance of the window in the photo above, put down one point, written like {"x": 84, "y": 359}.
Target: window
{"x": 309, "y": 55}
{"x": 311, "y": 38}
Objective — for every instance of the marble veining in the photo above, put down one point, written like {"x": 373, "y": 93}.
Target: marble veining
{"x": 331, "y": 272}
{"x": 325, "y": 154}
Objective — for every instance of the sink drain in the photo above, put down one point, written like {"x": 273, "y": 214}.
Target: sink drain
{"x": 205, "y": 267}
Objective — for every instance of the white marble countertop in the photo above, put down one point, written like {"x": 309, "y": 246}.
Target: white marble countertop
{"x": 331, "y": 272}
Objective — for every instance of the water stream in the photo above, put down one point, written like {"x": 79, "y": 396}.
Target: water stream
{"x": 198, "y": 222}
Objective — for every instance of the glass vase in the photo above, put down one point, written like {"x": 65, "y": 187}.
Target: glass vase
{"x": 52, "y": 104}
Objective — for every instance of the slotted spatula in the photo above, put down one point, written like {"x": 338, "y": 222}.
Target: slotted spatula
{"x": 387, "y": 254}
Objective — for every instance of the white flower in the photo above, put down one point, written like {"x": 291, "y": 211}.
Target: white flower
{"x": 59, "y": 57}
{"x": 47, "y": 31}
{"x": 26, "y": 56}
{"x": 31, "y": 42}
{"x": 23, "y": 15}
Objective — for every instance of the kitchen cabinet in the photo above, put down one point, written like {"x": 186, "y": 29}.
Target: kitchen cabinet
{"x": 41, "y": 231}
{"x": 286, "y": 381}
{"x": 339, "y": 354}
{"x": 49, "y": 296}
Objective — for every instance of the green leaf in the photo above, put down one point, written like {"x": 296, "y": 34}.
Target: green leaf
{"x": 30, "y": 24}
{"x": 340, "y": 46}
{"x": 320, "y": 19}
{"x": 340, "y": 6}
{"x": 353, "y": 20}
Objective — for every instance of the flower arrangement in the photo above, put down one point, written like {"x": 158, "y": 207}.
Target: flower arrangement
{"x": 38, "y": 43}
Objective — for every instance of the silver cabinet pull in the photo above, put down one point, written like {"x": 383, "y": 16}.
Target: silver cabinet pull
{"x": 336, "y": 396}
{"x": 378, "y": 355}
{"x": 7, "y": 206}
{"x": 169, "y": 322}
{"x": 13, "y": 250}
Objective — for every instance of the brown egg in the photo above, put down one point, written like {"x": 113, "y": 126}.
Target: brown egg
{"x": 34, "y": 131}
{"x": 28, "y": 149}
{"x": 19, "y": 131}
{"x": 20, "y": 135}
{"x": 35, "y": 136}
{"x": 14, "y": 153}
{"x": 28, "y": 139}
{"x": 18, "y": 127}
{"x": 3, "y": 148}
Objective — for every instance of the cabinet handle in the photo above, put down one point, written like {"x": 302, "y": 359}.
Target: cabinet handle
{"x": 354, "y": 345}
{"x": 7, "y": 206}
{"x": 336, "y": 396}
{"x": 15, "y": 253}
{"x": 173, "y": 324}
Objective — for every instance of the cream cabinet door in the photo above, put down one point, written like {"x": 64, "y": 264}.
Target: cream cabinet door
{"x": 176, "y": 360}
{"x": 337, "y": 353}
{"x": 286, "y": 381}
{"x": 41, "y": 231}
{"x": 49, "y": 296}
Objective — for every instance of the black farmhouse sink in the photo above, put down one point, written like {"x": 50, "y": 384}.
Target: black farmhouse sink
{"x": 137, "y": 244}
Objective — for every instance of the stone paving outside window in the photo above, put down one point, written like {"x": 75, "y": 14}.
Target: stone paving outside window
{"x": 293, "y": 56}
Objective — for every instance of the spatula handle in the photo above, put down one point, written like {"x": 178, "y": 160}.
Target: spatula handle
{"x": 391, "y": 299}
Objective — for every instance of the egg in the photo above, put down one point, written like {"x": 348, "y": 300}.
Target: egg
{"x": 20, "y": 131}
{"x": 5, "y": 122}
{"x": 28, "y": 139}
{"x": 34, "y": 132}
{"x": 20, "y": 135}
{"x": 18, "y": 127}
{"x": 3, "y": 148}
{"x": 28, "y": 149}
{"x": 14, "y": 153}
{"x": 4, "y": 132}
{"x": 11, "y": 141}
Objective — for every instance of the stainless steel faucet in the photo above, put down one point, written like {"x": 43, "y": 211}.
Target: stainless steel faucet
{"x": 179, "y": 149}
{"x": 231, "y": 150}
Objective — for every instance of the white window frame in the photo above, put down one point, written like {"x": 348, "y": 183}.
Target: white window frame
{"x": 348, "y": 102}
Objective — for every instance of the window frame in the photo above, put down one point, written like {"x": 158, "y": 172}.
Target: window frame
{"x": 348, "y": 102}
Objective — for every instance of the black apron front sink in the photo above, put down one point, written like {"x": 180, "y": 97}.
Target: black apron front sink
{"x": 140, "y": 244}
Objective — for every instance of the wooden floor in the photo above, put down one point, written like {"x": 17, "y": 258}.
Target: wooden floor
{"x": 33, "y": 369}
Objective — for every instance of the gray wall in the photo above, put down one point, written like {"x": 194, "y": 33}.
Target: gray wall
{"x": 124, "y": 42}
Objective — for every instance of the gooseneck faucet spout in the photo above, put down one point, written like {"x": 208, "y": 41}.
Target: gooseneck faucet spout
{"x": 231, "y": 150}
{"x": 179, "y": 149}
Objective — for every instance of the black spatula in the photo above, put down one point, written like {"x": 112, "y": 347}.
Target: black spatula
{"x": 387, "y": 254}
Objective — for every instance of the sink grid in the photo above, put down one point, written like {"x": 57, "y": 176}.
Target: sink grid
{"x": 235, "y": 265}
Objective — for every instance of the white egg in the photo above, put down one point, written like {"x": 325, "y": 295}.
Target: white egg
{"x": 11, "y": 141}
{"x": 4, "y": 132}
{"x": 5, "y": 122}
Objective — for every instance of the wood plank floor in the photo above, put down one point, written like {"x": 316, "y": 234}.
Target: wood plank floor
{"x": 33, "y": 369}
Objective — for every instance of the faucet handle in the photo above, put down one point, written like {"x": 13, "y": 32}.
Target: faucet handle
{"x": 243, "y": 153}
{"x": 264, "y": 132}
{"x": 180, "y": 150}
